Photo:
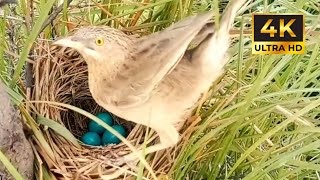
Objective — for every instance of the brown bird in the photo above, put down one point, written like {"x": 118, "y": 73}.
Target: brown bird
{"x": 155, "y": 80}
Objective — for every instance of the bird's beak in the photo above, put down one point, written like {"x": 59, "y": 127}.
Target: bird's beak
{"x": 77, "y": 44}
{"x": 68, "y": 42}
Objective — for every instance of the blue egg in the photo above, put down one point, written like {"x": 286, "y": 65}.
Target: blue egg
{"x": 109, "y": 138}
{"x": 91, "y": 138}
{"x": 95, "y": 127}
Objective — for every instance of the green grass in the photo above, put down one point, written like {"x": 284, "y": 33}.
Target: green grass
{"x": 262, "y": 124}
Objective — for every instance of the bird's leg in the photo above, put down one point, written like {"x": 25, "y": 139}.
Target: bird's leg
{"x": 169, "y": 137}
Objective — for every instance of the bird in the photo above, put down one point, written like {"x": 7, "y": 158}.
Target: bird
{"x": 155, "y": 80}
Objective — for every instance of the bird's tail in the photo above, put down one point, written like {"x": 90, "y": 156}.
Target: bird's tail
{"x": 210, "y": 52}
{"x": 229, "y": 15}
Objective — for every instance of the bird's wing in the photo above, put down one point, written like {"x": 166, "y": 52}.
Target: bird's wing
{"x": 154, "y": 56}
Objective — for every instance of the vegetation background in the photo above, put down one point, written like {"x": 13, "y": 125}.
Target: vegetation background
{"x": 262, "y": 124}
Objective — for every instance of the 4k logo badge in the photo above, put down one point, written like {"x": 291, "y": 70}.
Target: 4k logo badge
{"x": 278, "y": 34}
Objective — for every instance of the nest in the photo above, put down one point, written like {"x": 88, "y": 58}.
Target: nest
{"x": 60, "y": 75}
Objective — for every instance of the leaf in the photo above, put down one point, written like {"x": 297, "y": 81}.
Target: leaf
{"x": 61, "y": 130}
{"x": 13, "y": 171}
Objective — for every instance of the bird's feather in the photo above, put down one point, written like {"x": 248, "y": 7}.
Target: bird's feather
{"x": 155, "y": 56}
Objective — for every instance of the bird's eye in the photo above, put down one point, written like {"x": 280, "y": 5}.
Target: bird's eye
{"x": 99, "y": 41}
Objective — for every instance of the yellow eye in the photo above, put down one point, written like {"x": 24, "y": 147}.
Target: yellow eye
{"x": 99, "y": 41}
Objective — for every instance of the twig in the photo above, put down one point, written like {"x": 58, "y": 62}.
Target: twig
{"x": 28, "y": 71}
{"x": 29, "y": 74}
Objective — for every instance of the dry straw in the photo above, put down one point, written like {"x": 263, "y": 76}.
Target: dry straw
{"x": 61, "y": 76}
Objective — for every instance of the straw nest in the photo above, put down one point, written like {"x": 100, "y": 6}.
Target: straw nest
{"x": 61, "y": 76}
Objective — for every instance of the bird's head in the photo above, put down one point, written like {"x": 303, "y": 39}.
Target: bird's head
{"x": 98, "y": 44}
